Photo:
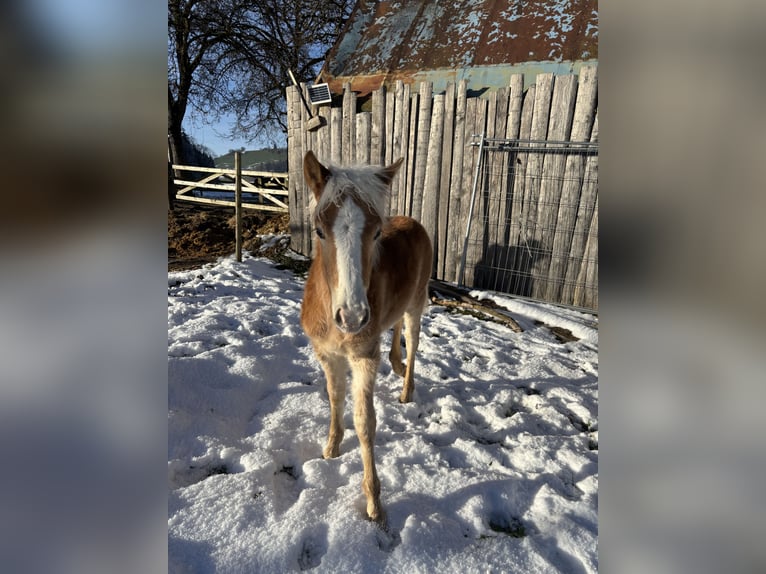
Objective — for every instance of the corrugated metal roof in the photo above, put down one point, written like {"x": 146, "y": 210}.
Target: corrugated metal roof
{"x": 413, "y": 40}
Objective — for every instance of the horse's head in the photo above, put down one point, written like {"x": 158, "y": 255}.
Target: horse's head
{"x": 348, "y": 219}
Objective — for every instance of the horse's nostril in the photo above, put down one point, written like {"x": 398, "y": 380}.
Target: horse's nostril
{"x": 338, "y": 317}
{"x": 366, "y": 318}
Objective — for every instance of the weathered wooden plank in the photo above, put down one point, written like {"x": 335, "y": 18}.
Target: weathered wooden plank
{"x": 405, "y": 199}
{"x": 551, "y": 179}
{"x": 255, "y": 206}
{"x": 295, "y": 181}
{"x": 429, "y": 213}
{"x": 539, "y": 131}
{"x": 582, "y": 121}
{"x": 305, "y": 117}
{"x": 404, "y": 106}
{"x": 587, "y": 203}
{"x": 444, "y": 179}
{"x": 470, "y": 154}
{"x": 476, "y": 233}
{"x": 585, "y": 107}
{"x": 323, "y": 151}
{"x": 348, "y": 151}
{"x": 363, "y": 135}
{"x": 205, "y": 182}
{"x": 393, "y": 151}
{"x": 248, "y": 187}
{"x": 586, "y": 287}
{"x": 498, "y": 184}
{"x": 512, "y": 129}
{"x": 307, "y": 144}
{"x": 481, "y": 217}
{"x": 529, "y": 254}
{"x": 421, "y": 151}
{"x": 390, "y": 119}
{"x": 218, "y": 170}
{"x": 517, "y": 257}
{"x": 303, "y": 207}
{"x": 513, "y": 122}
{"x": 453, "y": 241}
{"x": 336, "y": 135}
{"x": 378, "y": 127}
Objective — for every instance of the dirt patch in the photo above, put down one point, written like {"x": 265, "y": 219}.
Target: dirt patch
{"x": 199, "y": 234}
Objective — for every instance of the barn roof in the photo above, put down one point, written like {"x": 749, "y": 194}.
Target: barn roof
{"x": 483, "y": 41}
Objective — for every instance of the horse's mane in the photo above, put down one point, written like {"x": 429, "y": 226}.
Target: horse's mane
{"x": 364, "y": 182}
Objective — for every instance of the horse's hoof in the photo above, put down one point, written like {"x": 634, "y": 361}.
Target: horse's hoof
{"x": 379, "y": 518}
{"x": 331, "y": 453}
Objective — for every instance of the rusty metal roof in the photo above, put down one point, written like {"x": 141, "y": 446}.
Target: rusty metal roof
{"x": 482, "y": 40}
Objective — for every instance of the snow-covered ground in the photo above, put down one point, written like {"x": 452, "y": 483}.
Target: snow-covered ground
{"x": 492, "y": 468}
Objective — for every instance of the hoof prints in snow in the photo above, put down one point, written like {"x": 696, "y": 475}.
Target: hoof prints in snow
{"x": 195, "y": 474}
{"x": 313, "y": 548}
{"x": 511, "y": 526}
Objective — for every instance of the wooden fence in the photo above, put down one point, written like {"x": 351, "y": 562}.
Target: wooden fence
{"x": 266, "y": 186}
{"x": 434, "y": 133}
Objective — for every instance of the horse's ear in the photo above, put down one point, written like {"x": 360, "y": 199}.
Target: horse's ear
{"x": 387, "y": 173}
{"x": 314, "y": 174}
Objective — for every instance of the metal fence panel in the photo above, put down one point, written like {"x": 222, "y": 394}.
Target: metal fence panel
{"x": 540, "y": 240}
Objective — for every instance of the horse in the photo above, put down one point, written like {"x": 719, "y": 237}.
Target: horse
{"x": 369, "y": 272}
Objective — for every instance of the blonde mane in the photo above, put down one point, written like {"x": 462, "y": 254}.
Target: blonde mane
{"x": 363, "y": 182}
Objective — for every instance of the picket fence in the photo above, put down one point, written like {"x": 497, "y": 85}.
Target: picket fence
{"x": 529, "y": 178}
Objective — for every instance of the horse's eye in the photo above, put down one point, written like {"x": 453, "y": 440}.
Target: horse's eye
{"x": 319, "y": 233}
{"x": 377, "y": 235}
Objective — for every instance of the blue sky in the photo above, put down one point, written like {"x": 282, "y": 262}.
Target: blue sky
{"x": 215, "y": 136}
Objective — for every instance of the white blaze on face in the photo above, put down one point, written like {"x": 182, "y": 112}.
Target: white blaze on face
{"x": 349, "y": 297}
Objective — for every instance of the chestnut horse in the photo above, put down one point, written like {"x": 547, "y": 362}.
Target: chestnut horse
{"x": 369, "y": 272}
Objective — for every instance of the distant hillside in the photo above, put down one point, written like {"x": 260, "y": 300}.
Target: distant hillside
{"x": 260, "y": 160}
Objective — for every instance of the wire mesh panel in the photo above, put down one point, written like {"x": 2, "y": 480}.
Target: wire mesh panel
{"x": 533, "y": 230}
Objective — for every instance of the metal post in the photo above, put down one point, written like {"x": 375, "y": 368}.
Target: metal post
{"x": 238, "y": 203}
{"x": 461, "y": 275}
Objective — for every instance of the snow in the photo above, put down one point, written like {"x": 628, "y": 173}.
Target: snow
{"x": 492, "y": 468}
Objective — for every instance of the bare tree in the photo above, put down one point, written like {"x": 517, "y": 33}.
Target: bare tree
{"x": 196, "y": 40}
{"x": 284, "y": 35}
{"x": 232, "y": 56}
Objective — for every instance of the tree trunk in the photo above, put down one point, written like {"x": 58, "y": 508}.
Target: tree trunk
{"x": 175, "y": 147}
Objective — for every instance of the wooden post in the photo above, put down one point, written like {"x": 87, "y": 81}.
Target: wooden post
{"x": 453, "y": 244}
{"x": 573, "y": 181}
{"x": 429, "y": 200}
{"x": 583, "y": 222}
{"x": 362, "y": 144}
{"x": 238, "y": 202}
{"x": 378, "y": 128}
{"x": 348, "y": 153}
{"x": 415, "y": 198}
{"x": 444, "y": 178}
{"x": 551, "y": 180}
{"x": 299, "y": 236}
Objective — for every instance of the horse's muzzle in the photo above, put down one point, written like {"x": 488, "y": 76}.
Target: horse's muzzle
{"x": 352, "y": 321}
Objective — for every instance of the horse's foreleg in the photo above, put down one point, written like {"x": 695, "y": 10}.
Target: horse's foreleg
{"x": 335, "y": 372}
{"x": 395, "y": 356}
{"x": 364, "y": 371}
{"x": 411, "y": 339}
